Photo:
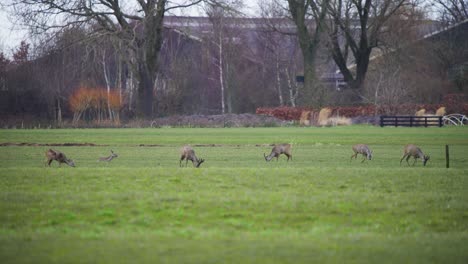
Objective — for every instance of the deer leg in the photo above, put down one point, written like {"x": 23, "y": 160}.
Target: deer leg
{"x": 364, "y": 158}
{"x": 407, "y": 159}
{"x": 288, "y": 157}
{"x": 402, "y": 159}
{"x": 186, "y": 162}
{"x": 180, "y": 162}
{"x": 414, "y": 162}
{"x": 49, "y": 161}
{"x": 354, "y": 155}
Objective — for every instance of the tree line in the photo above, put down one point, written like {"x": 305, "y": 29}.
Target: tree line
{"x": 148, "y": 69}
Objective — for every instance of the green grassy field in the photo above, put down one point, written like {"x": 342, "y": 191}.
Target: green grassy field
{"x": 237, "y": 208}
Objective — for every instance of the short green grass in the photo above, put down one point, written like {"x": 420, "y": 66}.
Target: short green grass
{"x": 237, "y": 208}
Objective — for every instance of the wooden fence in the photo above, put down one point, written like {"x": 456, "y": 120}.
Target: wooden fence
{"x": 411, "y": 121}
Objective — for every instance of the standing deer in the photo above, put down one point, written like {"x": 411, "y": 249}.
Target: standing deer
{"x": 362, "y": 149}
{"x": 187, "y": 153}
{"x": 415, "y": 152}
{"x": 278, "y": 150}
{"x": 108, "y": 158}
{"x": 59, "y": 157}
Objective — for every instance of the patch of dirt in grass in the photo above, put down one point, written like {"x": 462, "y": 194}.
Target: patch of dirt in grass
{"x": 6, "y": 144}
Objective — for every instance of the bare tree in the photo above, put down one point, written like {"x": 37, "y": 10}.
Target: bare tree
{"x": 225, "y": 38}
{"x": 303, "y": 12}
{"x": 356, "y": 28}
{"x": 138, "y": 24}
{"x": 451, "y": 11}
{"x": 278, "y": 38}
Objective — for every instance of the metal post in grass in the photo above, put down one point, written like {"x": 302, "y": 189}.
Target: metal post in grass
{"x": 447, "y": 157}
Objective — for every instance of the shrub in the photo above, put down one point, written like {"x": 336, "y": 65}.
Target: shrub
{"x": 324, "y": 114}
{"x": 96, "y": 104}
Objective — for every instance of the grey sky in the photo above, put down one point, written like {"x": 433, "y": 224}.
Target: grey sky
{"x": 11, "y": 35}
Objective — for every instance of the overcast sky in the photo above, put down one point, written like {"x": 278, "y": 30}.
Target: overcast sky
{"x": 10, "y": 35}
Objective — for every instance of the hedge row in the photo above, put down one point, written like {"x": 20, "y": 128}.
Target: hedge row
{"x": 294, "y": 113}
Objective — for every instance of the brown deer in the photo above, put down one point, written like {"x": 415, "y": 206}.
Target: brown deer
{"x": 109, "y": 158}
{"x": 415, "y": 152}
{"x": 278, "y": 150}
{"x": 59, "y": 157}
{"x": 187, "y": 153}
{"x": 362, "y": 149}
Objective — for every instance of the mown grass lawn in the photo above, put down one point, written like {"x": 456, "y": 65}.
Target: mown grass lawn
{"x": 321, "y": 207}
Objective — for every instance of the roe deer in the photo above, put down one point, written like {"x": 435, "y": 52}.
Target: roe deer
{"x": 278, "y": 150}
{"x": 362, "y": 149}
{"x": 59, "y": 157}
{"x": 415, "y": 152}
{"x": 187, "y": 153}
{"x": 108, "y": 158}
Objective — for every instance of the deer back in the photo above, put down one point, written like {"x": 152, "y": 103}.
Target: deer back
{"x": 282, "y": 148}
{"x": 278, "y": 150}
{"x": 414, "y": 151}
{"x": 186, "y": 152}
{"x": 51, "y": 154}
{"x": 109, "y": 158}
{"x": 59, "y": 156}
{"x": 362, "y": 149}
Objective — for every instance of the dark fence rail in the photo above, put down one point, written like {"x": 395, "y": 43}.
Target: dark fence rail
{"x": 411, "y": 121}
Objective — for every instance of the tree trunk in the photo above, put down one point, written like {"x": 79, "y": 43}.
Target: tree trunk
{"x": 221, "y": 73}
{"x": 145, "y": 93}
{"x": 278, "y": 81}
{"x": 106, "y": 78}
{"x": 310, "y": 94}
{"x": 309, "y": 43}
{"x": 59, "y": 113}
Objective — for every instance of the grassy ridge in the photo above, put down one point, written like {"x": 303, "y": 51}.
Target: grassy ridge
{"x": 236, "y": 208}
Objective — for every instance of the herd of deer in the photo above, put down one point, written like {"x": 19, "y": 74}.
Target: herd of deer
{"x": 187, "y": 153}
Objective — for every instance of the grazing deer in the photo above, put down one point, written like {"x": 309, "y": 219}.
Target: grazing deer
{"x": 278, "y": 150}
{"x": 59, "y": 157}
{"x": 108, "y": 158}
{"x": 187, "y": 153}
{"x": 362, "y": 149}
{"x": 415, "y": 152}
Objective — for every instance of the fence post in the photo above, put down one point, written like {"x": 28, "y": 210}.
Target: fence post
{"x": 440, "y": 121}
{"x": 411, "y": 121}
{"x": 447, "y": 157}
{"x": 381, "y": 121}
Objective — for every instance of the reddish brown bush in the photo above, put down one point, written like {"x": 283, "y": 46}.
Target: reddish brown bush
{"x": 96, "y": 102}
{"x": 283, "y": 112}
{"x": 294, "y": 113}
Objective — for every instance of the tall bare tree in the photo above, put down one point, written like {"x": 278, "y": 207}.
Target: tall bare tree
{"x": 304, "y": 12}
{"x": 360, "y": 24}
{"x": 138, "y": 23}
{"x": 225, "y": 27}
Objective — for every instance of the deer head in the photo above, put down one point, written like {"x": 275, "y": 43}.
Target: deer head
{"x": 199, "y": 162}
{"x": 70, "y": 162}
{"x": 426, "y": 158}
